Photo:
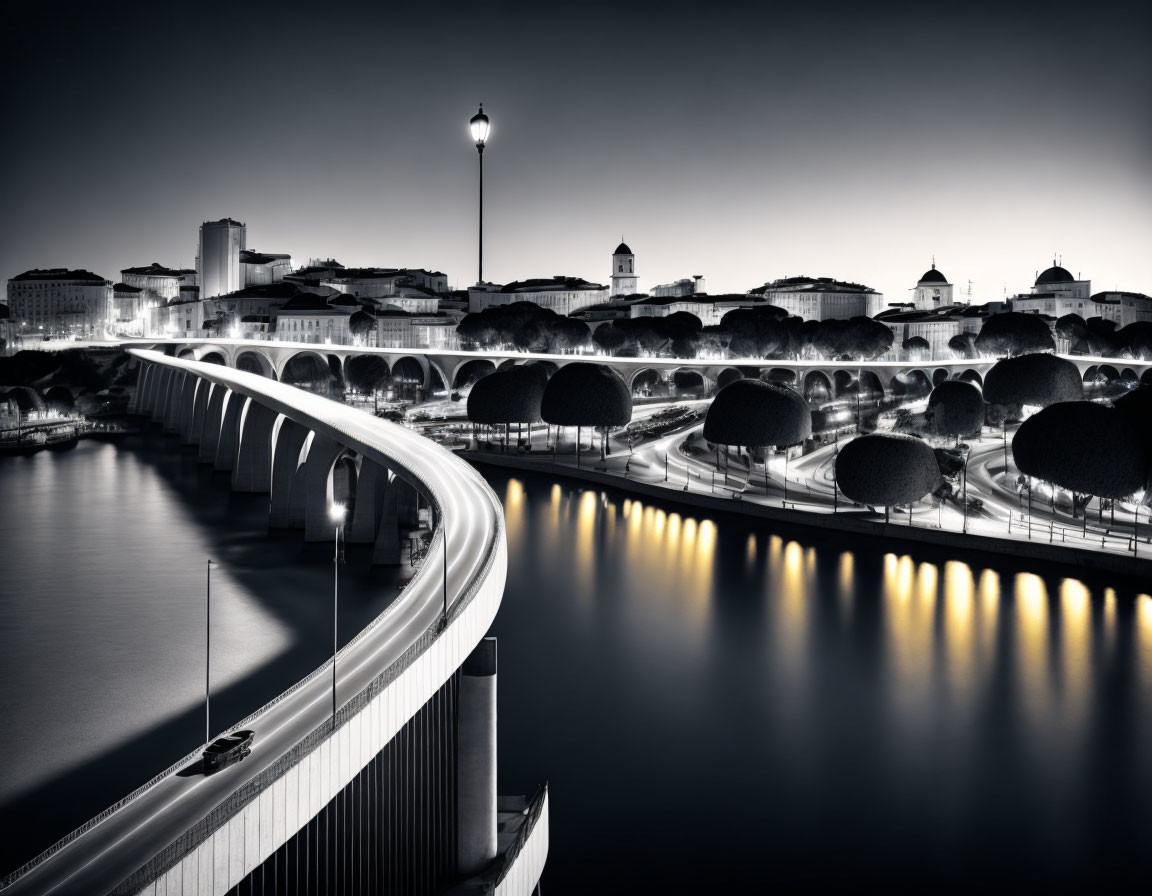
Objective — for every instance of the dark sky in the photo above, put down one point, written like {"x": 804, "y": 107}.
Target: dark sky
{"x": 742, "y": 142}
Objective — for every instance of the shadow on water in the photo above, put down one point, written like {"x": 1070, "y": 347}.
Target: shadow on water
{"x": 291, "y": 580}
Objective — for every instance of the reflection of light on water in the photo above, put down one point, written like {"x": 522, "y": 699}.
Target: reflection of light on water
{"x": 792, "y": 612}
{"x": 1143, "y": 635}
{"x": 750, "y": 553}
{"x": 846, "y": 579}
{"x": 514, "y": 509}
{"x": 1109, "y": 620}
{"x": 585, "y": 537}
{"x": 962, "y": 665}
{"x": 909, "y": 606}
{"x": 1076, "y": 644}
{"x": 1032, "y": 641}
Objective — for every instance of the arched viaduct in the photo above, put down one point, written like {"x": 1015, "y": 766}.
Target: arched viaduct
{"x": 818, "y": 380}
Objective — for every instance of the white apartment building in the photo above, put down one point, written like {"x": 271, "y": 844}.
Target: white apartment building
{"x": 821, "y": 298}
{"x": 59, "y": 301}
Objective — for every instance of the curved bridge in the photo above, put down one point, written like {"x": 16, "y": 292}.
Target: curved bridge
{"x": 401, "y": 694}
{"x": 431, "y": 369}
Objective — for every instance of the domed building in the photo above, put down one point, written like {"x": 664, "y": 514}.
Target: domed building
{"x": 1056, "y": 293}
{"x": 932, "y": 291}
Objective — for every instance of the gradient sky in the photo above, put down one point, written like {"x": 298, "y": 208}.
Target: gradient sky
{"x": 738, "y": 141}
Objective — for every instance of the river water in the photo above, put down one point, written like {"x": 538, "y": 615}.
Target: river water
{"x": 714, "y": 703}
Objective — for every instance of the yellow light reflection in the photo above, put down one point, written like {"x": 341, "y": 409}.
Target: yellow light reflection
{"x": 1143, "y": 635}
{"x": 514, "y": 509}
{"x": 1032, "y": 642}
{"x": 846, "y": 579}
{"x": 750, "y": 553}
{"x": 962, "y": 664}
{"x": 585, "y": 539}
{"x": 1076, "y": 647}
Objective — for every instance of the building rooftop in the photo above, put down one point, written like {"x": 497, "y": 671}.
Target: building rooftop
{"x": 59, "y": 274}
{"x": 809, "y": 284}
{"x": 157, "y": 270}
{"x": 1055, "y": 274}
{"x": 281, "y": 290}
{"x": 124, "y": 287}
{"x": 932, "y": 276}
{"x": 231, "y": 222}
{"x": 623, "y": 249}
{"x": 543, "y": 284}
{"x": 251, "y": 256}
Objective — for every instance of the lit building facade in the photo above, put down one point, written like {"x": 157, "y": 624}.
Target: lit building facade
{"x": 563, "y": 295}
{"x": 935, "y": 327}
{"x": 311, "y": 318}
{"x": 128, "y": 312}
{"x": 683, "y": 287}
{"x": 263, "y": 268}
{"x": 218, "y": 262}
{"x": 821, "y": 298}
{"x": 159, "y": 284}
{"x": 59, "y": 302}
{"x": 380, "y": 283}
{"x": 1056, "y": 293}
{"x": 1134, "y": 307}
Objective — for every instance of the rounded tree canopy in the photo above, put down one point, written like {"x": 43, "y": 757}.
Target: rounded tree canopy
{"x": 365, "y": 372}
{"x": 361, "y": 323}
{"x": 1082, "y": 446}
{"x": 957, "y": 408}
{"x": 60, "y": 398}
{"x": 756, "y": 414}
{"x": 1137, "y": 407}
{"x": 586, "y": 394}
{"x": 915, "y": 343}
{"x": 507, "y": 396}
{"x": 1014, "y": 333}
{"x": 1038, "y": 380}
{"x": 883, "y": 469}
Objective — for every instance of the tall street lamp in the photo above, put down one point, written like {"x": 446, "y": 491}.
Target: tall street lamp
{"x": 336, "y": 514}
{"x": 479, "y": 126}
{"x": 208, "y": 652}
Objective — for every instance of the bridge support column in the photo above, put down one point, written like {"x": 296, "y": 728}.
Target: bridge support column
{"x": 163, "y": 395}
{"x": 476, "y": 760}
{"x": 137, "y": 402}
{"x": 188, "y": 411}
{"x": 253, "y": 471}
{"x": 387, "y": 547}
{"x": 285, "y": 461}
{"x": 199, "y": 410}
{"x": 213, "y": 420}
{"x": 371, "y": 486}
{"x": 317, "y": 471}
{"x": 179, "y": 394}
{"x": 229, "y": 433}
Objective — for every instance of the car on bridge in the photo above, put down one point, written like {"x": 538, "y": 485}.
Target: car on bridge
{"x": 228, "y": 749}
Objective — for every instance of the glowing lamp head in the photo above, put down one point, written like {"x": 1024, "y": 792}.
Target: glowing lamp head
{"x": 336, "y": 513}
{"x": 480, "y": 127}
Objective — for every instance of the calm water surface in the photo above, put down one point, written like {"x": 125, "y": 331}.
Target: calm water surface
{"x": 719, "y": 705}
{"x": 715, "y": 704}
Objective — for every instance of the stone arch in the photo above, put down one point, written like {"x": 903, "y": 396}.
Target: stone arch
{"x": 336, "y": 368}
{"x": 213, "y": 357}
{"x": 255, "y": 362}
{"x": 817, "y": 386}
{"x": 871, "y": 386}
{"x": 688, "y": 382}
{"x": 1091, "y": 375}
{"x": 309, "y": 370}
{"x": 1146, "y": 377}
{"x": 728, "y": 375}
{"x": 973, "y": 377}
{"x": 779, "y": 375}
{"x": 1109, "y": 373}
{"x": 644, "y": 381}
{"x": 845, "y": 383}
{"x": 911, "y": 384}
{"x": 506, "y": 364}
{"x": 186, "y": 354}
{"x": 939, "y": 375}
{"x": 468, "y": 372}
{"x": 410, "y": 377}
{"x": 1128, "y": 375}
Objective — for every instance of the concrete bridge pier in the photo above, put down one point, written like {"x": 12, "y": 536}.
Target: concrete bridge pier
{"x": 174, "y": 415}
{"x": 196, "y": 419}
{"x": 476, "y": 760}
{"x": 213, "y": 419}
{"x": 285, "y": 462}
{"x": 317, "y": 491}
{"x": 163, "y": 392}
{"x": 386, "y": 551}
{"x": 253, "y": 470}
{"x": 229, "y": 433}
{"x": 371, "y": 487}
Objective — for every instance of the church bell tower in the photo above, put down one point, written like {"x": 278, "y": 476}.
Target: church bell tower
{"x": 623, "y": 271}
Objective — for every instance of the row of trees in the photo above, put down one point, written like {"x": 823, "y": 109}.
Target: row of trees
{"x": 523, "y": 326}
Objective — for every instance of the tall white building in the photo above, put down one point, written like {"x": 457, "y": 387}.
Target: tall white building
{"x": 1056, "y": 293}
{"x": 218, "y": 261}
{"x": 932, "y": 291}
{"x": 623, "y": 271}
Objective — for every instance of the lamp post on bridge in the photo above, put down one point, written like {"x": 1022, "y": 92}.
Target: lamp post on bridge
{"x": 335, "y": 513}
{"x": 480, "y": 128}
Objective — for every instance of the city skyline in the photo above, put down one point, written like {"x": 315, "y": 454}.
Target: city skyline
{"x": 993, "y": 143}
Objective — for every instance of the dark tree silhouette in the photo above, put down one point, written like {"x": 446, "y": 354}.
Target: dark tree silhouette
{"x": 956, "y": 408}
{"x": 1090, "y": 449}
{"x": 963, "y": 346}
{"x": 1038, "y": 380}
{"x": 883, "y": 470}
{"x": 584, "y": 394}
{"x": 365, "y": 373}
{"x": 1014, "y": 333}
